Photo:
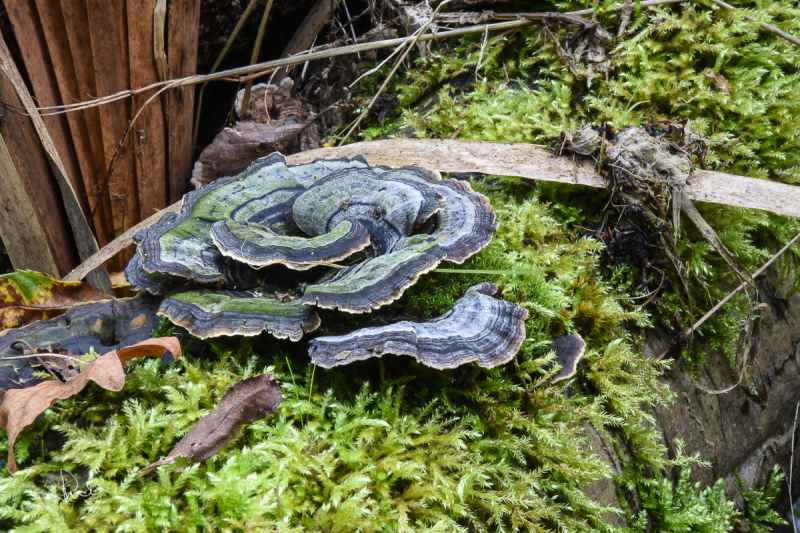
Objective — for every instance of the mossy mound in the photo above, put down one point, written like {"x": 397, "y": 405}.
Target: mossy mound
{"x": 390, "y": 445}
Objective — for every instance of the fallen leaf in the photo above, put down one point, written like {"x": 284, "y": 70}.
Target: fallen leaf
{"x": 150, "y": 348}
{"x": 27, "y": 296}
{"x": 718, "y": 80}
{"x": 21, "y": 406}
{"x": 248, "y": 400}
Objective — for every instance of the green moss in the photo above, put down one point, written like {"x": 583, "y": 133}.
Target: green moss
{"x": 390, "y": 445}
{"x": 525, "y": 94}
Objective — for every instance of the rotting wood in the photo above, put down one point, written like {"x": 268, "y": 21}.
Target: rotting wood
{"x": 183, "y": 22}
{"x": 148, "y": 137}
{"x": 109, "y": 45}
{"x": 508, "y": 159}
{"x": 43, "y": 208}
{"x": 85, "y": 241}
{"x": 82, "y": 234}
{"x": 23, "y": 236}
{"x": 59, "y": 52}
{"x": 33, "y": 47}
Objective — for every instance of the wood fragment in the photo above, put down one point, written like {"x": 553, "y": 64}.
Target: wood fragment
{"x": 109, "y": 45}
{"x": 68, "y": 40}
{"x": 183, "y": 25}
{"x": 510, "y": 159}
{"x": 85, "y": 241}
{"x": 57, "y": 49}
{"x": 26, "y": 165}
{"x": 22, "y": 234}
{"x": 33, "y": 47}
{"x": 148, "y": 137}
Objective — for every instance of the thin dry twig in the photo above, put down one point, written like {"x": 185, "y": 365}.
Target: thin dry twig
{"x": 260, "y": 68}
{"x": 254, "y": 57}
{"x": 397, "y": 64}
{"x": 770, "y": 28}
{"x": 35, "y": 355}
{"x": 220, "y": 57}
{"x": 744, "y": 341}
{"x": 735, "y": 291}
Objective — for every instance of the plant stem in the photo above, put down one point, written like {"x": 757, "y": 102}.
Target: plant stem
{"x": 254, "y": 57}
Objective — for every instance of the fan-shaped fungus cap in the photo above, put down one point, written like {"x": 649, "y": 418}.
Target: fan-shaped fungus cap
{"x": 376, "y": 281}
{"x": 464, "y": 224}
{"x": 466, "y": 221}
{"x": 569, "y": 349}
{"x": 390, "y": 209}
{"x": 207, "y": 313}
{"x": 257, "y": 246}
{"x": 479, "y": 328}
{"x": 182, "y": 245}
{"x": 100, "y": 325}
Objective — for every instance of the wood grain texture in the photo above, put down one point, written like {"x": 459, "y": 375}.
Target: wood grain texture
{"x": 33, "y": 47}
{"x": 33, "y": 169}
{"x": 84, "y": 239}
{"x": 149, "y": 140}
{"x": 183, "y": 22}
{"x": 109, "y": 44}
{"x": 59, "y": 52}
{"x": 22, "y": 235}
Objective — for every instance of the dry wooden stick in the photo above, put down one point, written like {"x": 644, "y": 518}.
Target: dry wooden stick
{"x": 506, "y": 159}
{"x": 733, "y": 293}
{"x": 305, "y": 35}
{"x": 770, "y": 28}
{"x": 114, "y": 247}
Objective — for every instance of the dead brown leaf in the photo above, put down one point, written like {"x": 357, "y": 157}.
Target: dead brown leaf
{"x": 27, "y": 296}
{"x": 718, "y": 80}
{"x": 248, "y": 400}
{"x": 21, "y": 406}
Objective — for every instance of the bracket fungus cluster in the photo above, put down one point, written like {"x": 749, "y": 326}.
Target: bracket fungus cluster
{"x": 336, "y": 234}
{"x": 262, "y": 250}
